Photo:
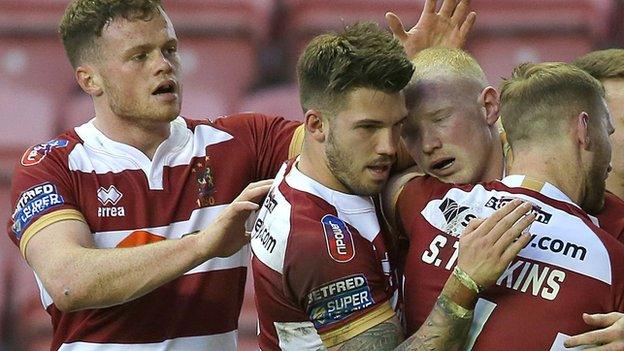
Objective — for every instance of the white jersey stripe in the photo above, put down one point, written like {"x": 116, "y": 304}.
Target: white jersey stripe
{"x": 102, "y": 155}
{"x": 225, "y": 341}
{"x": 200, "y": 218}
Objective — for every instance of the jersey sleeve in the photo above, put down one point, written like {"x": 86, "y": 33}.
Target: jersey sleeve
{"x": 271, "y": 140}
{"x": 335, "y": 277}
{"x": 41, "y": 192}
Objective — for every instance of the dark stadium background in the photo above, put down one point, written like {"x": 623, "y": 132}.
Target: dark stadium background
{"x": 238, "y": 55}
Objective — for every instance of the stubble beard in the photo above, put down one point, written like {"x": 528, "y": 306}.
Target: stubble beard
{"x": 339, "y": 164}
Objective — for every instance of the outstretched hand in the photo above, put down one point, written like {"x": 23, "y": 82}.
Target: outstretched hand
{"x": 449, "y": 27}
{"x": 227, "y": 233}
{"x": 487, "y": 247}
{"x": 610, "y": 337}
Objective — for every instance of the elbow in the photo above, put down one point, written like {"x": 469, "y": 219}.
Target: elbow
{"x": 66, "y": 299}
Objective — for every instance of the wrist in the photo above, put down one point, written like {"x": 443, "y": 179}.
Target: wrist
{"x": 459, "y": 293}
{"x": 467, "y": 280}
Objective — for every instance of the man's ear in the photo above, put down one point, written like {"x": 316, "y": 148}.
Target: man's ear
{"x": 582, "y": 130}
{"x": 315, "y": 125}
{"x": 89, "y": 80}
{"x": 490, "y": 100}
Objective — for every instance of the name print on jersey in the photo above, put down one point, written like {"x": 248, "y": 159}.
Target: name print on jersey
{"x": 109, "y": 197}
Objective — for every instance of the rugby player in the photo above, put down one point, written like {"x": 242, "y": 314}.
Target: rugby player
{"x": 455, "y": 211}
{"x": 323, "y": 274}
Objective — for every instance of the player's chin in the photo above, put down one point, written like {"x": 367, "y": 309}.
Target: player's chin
{"x": 373, "y": 187}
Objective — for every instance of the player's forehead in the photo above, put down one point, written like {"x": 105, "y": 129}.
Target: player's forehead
{"x": 123, "y": 33}
{"x": 374, "y": 105}
{"x": 429, "y": 96}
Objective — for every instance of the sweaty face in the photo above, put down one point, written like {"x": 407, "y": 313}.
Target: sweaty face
{"x": 600, "y": 163}
{"x": 615, "y": 100}
{"x": 139, "y": 67}
{"x": 362, "y": 140}
{"x": 446, "y": 131}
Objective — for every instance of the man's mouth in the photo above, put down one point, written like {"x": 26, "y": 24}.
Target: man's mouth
{"x": 166, "y": 87}
{"x": 443, "y": 164}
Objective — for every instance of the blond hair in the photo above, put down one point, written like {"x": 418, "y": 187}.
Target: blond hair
{"x": 602, "y": 64}
{"x": 539, "y": 98}
{"x": 440, "y": 61}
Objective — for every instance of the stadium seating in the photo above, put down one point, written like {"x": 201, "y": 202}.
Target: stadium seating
{"x": 307, "y": 18}
{"x": 279, "y": 101}
{"x": 26, "y": 116}
{"x": 508, "y": 32}
{"x": 219, "y": 39}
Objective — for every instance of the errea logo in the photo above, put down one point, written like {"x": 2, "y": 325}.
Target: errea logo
{"x": 110, "y": 196}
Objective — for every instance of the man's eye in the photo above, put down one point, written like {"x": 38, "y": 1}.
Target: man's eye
{"x": 139, "y": 57}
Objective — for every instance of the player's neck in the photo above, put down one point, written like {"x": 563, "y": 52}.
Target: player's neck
{"x": 314, "y": 165}
{"x": 615, "y": 184}
{"x": 558, "y": 170}
{"x": 145, "y": 137}
{"x": 496, "y": 163}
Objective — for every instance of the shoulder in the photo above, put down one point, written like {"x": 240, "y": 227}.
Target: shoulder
{"x": 57, "y": 149}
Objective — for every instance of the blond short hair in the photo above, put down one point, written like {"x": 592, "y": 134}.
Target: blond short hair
{"x": 446, "y": 62}
{"x": 602, "y": 64}
{"x": 539, "y": 98}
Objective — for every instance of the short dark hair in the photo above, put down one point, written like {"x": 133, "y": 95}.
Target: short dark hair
{"x": 602, "y": 64}
{"x": 361, "y": 56}
{"x": 84, "y": 21}
{"x": 539, "y": 98}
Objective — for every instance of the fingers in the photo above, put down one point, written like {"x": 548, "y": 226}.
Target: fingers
{"x": 589, "y": 338}
{"x": 430, "y": 6}
{"x": 612, "y": 335}
{"x": 518, "y": 227}
{"x": 448, "y": 7}
{"x": 459, "y": 16}
{"x": 255, "y": 191}
{"x": 498, "y": 215}
{"x": 602, "y": 320}
{"x": 472, "y": 226}
{"x": 516, "y": 241}
{"x": 396, "y": 26}
{"x": 466, "y": 27}
{"x": 507, "y": 224}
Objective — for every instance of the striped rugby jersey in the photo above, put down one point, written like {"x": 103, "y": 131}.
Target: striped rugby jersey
{"x": 570, "y": 266}
{"x": 128, "y": 200}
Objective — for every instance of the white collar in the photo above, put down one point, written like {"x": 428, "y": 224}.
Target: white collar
{"x": 346, "y": 203}
{"x": 544, "y": 188}
{"x": 94, "y": 138}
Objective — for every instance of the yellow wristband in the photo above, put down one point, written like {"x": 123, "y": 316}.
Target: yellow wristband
{"x": 466, "y": 281}
{"x": 450, "y": 307}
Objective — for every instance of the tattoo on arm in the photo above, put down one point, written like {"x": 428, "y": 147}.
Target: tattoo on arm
{"x": 382, "y": 337}
{"x": 442, "y": 331}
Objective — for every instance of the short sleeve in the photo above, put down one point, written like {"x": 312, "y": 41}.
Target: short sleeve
{"x": 271, "y": 140}
{"x": 41, "y": 192}
{"x": 342, "y": 295}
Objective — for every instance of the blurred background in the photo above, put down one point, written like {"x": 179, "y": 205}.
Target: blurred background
{"x": 238, "y": 55}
